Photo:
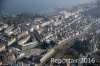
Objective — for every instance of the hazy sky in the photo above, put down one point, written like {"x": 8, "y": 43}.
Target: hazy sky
{"x": 18, "y": 6}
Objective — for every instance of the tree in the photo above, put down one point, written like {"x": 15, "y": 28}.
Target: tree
{"x": 82, "y": 47}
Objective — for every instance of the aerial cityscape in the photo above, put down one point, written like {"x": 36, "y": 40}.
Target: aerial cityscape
{"x": 64, "y": 36}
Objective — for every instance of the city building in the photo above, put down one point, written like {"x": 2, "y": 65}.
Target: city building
{"x": 27, "y": 46}
{"x": 3, "y": 26}
{"x": 23, "y": 40}
{"x": 7, "y": 39}
{"x": 37, "y": 36}
{"x": 2, "y": 47}
{"x": 22, "y": 34}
